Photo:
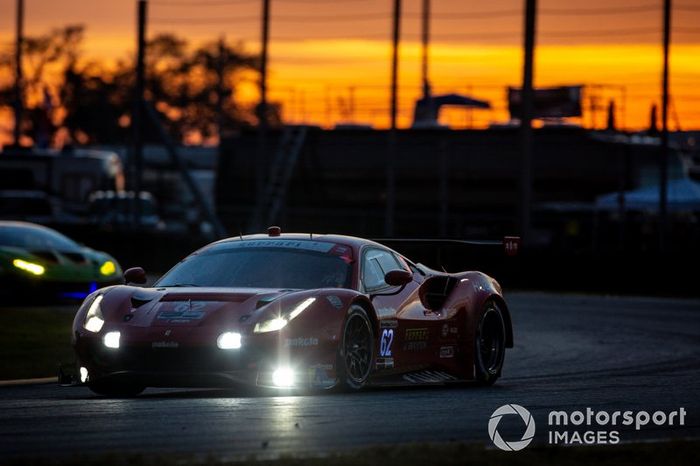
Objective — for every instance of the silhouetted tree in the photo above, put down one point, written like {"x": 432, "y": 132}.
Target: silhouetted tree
{"x": 42, "y": 54}
{"x": 182, "y": 84}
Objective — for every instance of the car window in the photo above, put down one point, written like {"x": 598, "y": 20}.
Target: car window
{"x": 375, "y": 264}
{"x": 292, "y": 264}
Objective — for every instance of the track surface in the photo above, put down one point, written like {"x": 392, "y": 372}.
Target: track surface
{"x": 571, "y": 352}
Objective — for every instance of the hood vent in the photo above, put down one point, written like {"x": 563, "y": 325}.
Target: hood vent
{"x": 264, "y": 301}
{"x": 139, "y": 298}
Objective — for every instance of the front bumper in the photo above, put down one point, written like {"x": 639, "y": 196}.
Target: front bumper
{"x": 196, "y": 366}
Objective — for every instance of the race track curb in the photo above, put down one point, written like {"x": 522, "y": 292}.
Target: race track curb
{"x": 44, "y": 380}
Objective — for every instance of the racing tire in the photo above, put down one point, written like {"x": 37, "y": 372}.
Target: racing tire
{"x": 356, "y": 351}
{"x": 489, "y": 345}
{"x": 116, "y": 389}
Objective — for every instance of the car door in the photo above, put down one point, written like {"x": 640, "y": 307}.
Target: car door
{"x": 409, "y": 334}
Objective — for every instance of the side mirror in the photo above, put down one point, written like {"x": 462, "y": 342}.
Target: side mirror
{"x": 135, "y": 275}
{"x": 398, "y": 277}
{"x": 395, "y": 278}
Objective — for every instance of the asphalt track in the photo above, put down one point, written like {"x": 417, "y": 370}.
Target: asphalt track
{"x": 571, "y": 352}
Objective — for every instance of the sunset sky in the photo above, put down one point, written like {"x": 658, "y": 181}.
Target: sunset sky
{"x": 322, "y": 49}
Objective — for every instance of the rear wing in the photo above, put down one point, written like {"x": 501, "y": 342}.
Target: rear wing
{"x": 510, "y": 244}
{"x": 493, "y": 257}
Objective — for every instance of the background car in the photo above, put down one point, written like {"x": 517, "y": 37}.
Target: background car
{"x": 38, "y": 263}
{"x": 293, "y": 311}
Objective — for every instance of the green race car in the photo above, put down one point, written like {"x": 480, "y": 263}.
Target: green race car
{"x": 38, "y": 263}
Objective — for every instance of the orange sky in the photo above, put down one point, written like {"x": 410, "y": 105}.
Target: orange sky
{"x": 322, "y": 49}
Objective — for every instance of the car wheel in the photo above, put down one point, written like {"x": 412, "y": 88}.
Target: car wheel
{"x": 490, "y": 344}
{"x": 116, "y": 389}
{"x": 357, "y": 349}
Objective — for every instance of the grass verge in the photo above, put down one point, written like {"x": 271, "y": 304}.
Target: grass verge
{"x": 677, "y": 452}
{"x": 34, "y": 340}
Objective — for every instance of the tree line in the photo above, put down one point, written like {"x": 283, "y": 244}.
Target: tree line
{"x": 88, "y": 101}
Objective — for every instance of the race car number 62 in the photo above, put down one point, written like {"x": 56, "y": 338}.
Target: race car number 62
{"x": 385, "y": 343}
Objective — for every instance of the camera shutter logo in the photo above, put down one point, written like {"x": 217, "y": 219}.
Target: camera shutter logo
{"x": 529, "y": 427}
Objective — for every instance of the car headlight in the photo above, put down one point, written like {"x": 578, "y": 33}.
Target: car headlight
{"x": 112, "y": 339}
{"x": 108, "y": 268}
{"x": 94, "y": 319}
{"x": 270, "y": 325}
{"x": 229, "y": 340}
{"x": 34, "y": 269}
{"x": 283, "y": 377}
{"x": 280, "y": 322}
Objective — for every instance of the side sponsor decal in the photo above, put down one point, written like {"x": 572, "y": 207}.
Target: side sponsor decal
{"x": 389, "y": 323}
{"x": 447, "y": 352}
{"x": 385, "y": 363}
{"x": 445, "y": 330}
{"x": 385, "y": 342}
{"x": 415, "y": 345}
{"x": 416, "y": 334}
{"x": 301, "y": 342}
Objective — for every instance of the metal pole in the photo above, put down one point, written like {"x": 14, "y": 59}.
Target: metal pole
{"x": 395, "y": 60}
{"x": 137, "y": 118}
{"x": 261, "y": 163}
{"x": 220, "y": 68}
{"x": 663, "y": 185}
{"x": 425, "y": 34}
{"x": 526, "y": 119}
{"x": 19, "y": 84}
{"x": 391, "y": 153}
{"x": 444, "y": 186}
{"x": 351, "y": 105}
{"x": 181, "y": 163}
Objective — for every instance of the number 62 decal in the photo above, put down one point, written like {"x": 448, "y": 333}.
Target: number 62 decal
{"x": 385, "y": 342}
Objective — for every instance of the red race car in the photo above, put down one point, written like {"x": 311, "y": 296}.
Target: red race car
{"x": 293, "y": 311}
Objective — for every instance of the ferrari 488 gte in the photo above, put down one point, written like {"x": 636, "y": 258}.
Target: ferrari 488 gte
{"x": 293, "y": 311}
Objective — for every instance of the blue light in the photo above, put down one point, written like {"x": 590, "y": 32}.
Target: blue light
{"x": 79, "y": 294}
{"x": 74, "y": 294}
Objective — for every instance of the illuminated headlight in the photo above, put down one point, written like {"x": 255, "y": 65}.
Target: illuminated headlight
{"x": 283, "y": 377}
{"x": 111, "y": 339}
{"x": 34, "y": 269}
{"x": 270, "y": 325}
{"x": 300, "y": 307}
{"x": 93, "y": 319}
{"x": 229, "y": 340}
{"x": 84, "y": 376}
{"x": 280, "y": 322}
{"x": 108, "y": 268}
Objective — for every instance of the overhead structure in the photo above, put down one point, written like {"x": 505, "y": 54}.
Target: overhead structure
{"x": 426, "y": 113}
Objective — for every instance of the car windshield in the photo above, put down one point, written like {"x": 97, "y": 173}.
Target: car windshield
{"x": 35, "y": 238}
{"x": 265, "y": 264}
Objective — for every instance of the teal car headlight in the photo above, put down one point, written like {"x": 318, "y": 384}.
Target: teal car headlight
{"x": 278, "y": 323}
{"x": 94, "y": 319}
{"x": 108, "y": 268}
{"x": 30, "y": 267}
